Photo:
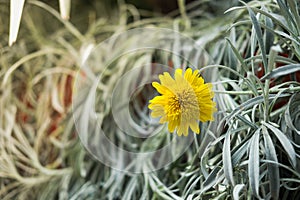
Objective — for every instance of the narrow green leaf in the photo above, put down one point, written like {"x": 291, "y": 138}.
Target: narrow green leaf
{"x": 220, "y": 196}
{"x": 259, "y": 34}
{"x": 294, "y": 10}
{"x": 253, "y": 45}
{"x": 286, "y": 13}
{"x": 246, "y": 121}
{"x": 236, "y": 191}
{"x": 240, "y": 152}
{"x": 272, "y": 57}
{"x": 227, "y": 163}
{"x": 273, "y": 170}
{"x": 234, "y": 9}
{"x": 282, "y": 71}
{"x": 250, "y": 103}
{"x": 293, "y": 107}
{"x": 286, "y": 144}
{"x": 287, "y": 36}
{"x": 274, "y": 100}
{"x": 238, "y": 55}
{"x": 205, "y": 154}
{"x": 130, "y": 187}
{"x": 276, "y": 18}
{"x": 269, "y": 36}
{"x": 212, "y": 179}
{"x": 157, "y": 190}
{"x": 253, "y": 165}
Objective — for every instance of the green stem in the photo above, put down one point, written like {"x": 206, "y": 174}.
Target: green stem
{"x": 181, "y": 5}
{"x": 267, "y": 92}
{"x": 271, "y": 62}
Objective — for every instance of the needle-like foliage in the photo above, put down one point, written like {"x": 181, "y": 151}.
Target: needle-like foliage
{"x": 250, "y": 53}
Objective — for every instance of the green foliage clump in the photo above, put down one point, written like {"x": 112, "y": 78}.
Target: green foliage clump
{"x": 252, "y": 54}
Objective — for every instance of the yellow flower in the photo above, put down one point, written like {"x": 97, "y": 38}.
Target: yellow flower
{"x": 183, "y": 101}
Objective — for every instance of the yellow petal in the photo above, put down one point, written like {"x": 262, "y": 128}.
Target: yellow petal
{"x": 160, "y": 88}
{"x": 161, "y": 100}
{"x": 183, "y": 128}
{"x": 195, "y": 127}
{"x": 188, "y": 75}
{"x": 178, "y": 75}
{"x": 158, "y": 111}
{"x": 163, "y": 119}
{"x": 197, "y": 79}
{"x": 167, "y": 81}
{"x": 179, "y": 133}
{"x": 182, "y": 83}
{"x": 172, "y": 125}
{"x": 186, "y": 131}
{"x": 206, "y": 116}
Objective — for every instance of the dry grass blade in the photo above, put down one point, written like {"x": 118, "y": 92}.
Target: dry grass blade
{"x": 65, "y": 8}
{"x": 16, "y": 9}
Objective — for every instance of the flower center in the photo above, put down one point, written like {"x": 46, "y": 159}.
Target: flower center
{"x": 183, "y": 103}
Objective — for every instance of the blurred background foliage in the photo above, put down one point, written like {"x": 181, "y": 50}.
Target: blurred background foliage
{"x": 251, "y": 150}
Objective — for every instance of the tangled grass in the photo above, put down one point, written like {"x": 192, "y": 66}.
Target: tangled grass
{"x": 251, "y": 150}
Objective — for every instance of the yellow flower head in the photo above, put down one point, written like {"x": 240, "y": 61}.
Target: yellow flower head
{"x": 183, "y": 101}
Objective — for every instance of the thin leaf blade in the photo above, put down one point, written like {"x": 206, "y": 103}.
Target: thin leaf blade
{"x": 236, "y": 191}
{"x": 253, "y": 165}
{"x": 273, "y": 170}
{"x": 259, "y": 37}
{"x": 282, "y": 71}
{"x": 227, "y": 162}
{"x": 286, "y": 144}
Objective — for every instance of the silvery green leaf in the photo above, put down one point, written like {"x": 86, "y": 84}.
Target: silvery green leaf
{"x": 227, "y": 162}
{"x": 259, "y": 34}
{"x": 286, "y": 144}
{"x": 253, "y": 164}
{"x": 273, "y": 169}
{"x": 236, "y": 191}
{"x": 292, "y": 112}
{"x": 282, "y": 71}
